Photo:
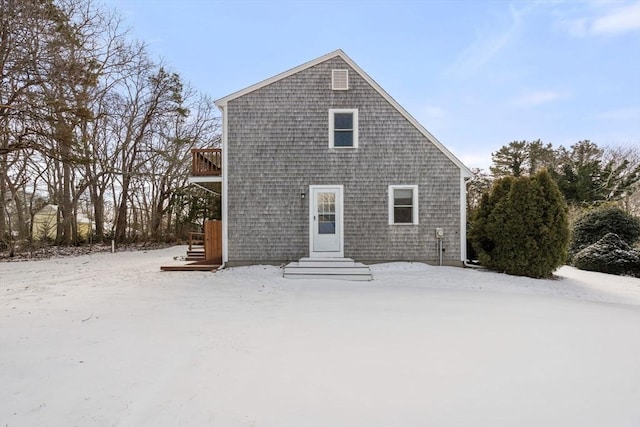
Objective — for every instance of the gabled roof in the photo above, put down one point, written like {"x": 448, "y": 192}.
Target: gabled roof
{"x": 222, "y": 102}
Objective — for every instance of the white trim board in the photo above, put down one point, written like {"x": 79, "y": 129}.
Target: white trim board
{"x": 414, "y": 204}
{"x": 225, "y": 190}
{"x": 199, "y": 179}
{"x": 354, "y": 131}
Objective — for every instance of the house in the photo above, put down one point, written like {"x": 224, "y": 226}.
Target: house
{"x": 45, "y": 224}
{"x": 320, "y": 162}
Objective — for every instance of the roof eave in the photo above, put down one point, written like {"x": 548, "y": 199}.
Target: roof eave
{"x": 224, "y": 100}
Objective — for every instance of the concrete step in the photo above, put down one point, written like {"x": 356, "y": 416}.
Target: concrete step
{"x": 314, "y": 260}
{"x": 327, "y": 268}
{"x": 353, "y": 277}
{"x": 326, "y": 262}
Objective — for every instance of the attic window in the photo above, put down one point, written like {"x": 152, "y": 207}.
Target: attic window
{"x": 340, "y": 79}
{"x": 343, "y": 128}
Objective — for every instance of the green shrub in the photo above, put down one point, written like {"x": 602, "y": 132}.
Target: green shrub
{"x": 521, "y": 226}
{"x": 610, "y": 255}
{"x": 595, "y": 224}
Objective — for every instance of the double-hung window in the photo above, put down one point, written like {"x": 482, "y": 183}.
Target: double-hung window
{"x": 343, "y": 128}
{"x": 403, "y": 204}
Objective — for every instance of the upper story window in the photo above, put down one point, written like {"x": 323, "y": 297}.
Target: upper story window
{"x": 340, "y": 79}
{"x": 343, "y": 128}
{"x": 403, "y": 204}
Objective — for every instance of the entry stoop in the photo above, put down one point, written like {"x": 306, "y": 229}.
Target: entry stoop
{"x": 327, "y": 268}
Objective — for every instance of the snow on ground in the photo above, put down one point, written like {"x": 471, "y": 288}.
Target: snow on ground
{"x": 109, "y": 340}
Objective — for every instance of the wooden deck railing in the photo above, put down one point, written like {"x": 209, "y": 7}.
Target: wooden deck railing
{"x": 206, "y": 162}
{"x": 195, "y": 239}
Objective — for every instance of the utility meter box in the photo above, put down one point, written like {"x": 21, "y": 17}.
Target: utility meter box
{"x": 439, "y": 233}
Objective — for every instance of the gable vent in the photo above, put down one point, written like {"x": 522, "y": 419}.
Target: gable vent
{"x": 340, "y": 79}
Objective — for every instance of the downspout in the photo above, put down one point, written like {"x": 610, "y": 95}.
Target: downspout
{"x": 463, "y": 247}
{"x": 463, "y": 217}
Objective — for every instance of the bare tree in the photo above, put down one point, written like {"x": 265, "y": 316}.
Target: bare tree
{"x": 172, "y": 155}
{"x": 626, "y": 160}
{"x": 88, "y": 118}
{"x": 151, "y": 92}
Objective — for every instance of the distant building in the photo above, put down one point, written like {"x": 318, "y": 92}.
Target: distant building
{"x": 45, "y": 223}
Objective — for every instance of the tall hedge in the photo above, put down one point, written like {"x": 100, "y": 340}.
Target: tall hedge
{"x": 521, "y": 226}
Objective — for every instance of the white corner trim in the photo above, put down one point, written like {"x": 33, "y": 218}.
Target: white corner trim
{"x": 463, "y": 218}
{"x": 415, "y": 201}
{"x": 332, "y": 112}
{"x": 225, "y": 189}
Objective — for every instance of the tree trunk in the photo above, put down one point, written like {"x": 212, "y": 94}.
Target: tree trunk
{"x": 121, "y": 218}
{"x": 3, "y": 197}
{"x": 98, "y": 216}
{"x": 67, "y": 208}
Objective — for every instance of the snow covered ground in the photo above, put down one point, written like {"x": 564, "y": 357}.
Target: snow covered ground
{"x": 109, "y": 340}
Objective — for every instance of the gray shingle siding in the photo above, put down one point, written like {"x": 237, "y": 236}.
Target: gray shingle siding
{"x": 277, "y": 145}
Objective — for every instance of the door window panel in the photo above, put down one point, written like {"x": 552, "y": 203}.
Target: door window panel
{"x": 326, "y": 213}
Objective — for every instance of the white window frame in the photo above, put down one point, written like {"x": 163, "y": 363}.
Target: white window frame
{"x": 414, "y": 211}
{"x": 332, "y": 113}
{"x": 336, "y": 76}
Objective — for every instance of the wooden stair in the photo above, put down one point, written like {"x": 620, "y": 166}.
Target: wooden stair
{"x": 205, "y": 250}
{"x": 190, "y": 267}
{"x": 195, "y": 255}
{"x": 327, "y": 268}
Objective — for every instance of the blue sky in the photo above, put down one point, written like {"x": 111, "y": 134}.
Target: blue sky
{"x": 476, "y": 74}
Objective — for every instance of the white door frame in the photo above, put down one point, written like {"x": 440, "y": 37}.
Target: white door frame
{"x": 339, "y": 220}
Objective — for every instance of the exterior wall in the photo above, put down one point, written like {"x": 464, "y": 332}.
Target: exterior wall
{"x": 277, "y": 145}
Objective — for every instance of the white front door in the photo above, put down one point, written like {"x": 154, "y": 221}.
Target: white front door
{"x": 325, "y": 221}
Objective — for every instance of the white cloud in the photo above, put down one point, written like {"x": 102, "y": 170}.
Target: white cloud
{"x": 604, "y": 19}
{"x": 618, "y": 21}
{"x": 576, "y": 27}
{"x": 434, "y": 112}
{"x": 632, "y": 113}
{"x": 533, "y": 99}
{"x": 477, "y": 159}
{"x": 489, "y": 44}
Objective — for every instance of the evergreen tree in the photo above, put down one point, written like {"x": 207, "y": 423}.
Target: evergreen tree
{"x": 585, "y": 178}
{"x": 483, "y": 239}
{"x": 509, "y": 159}
{"x": 521, "y": 227}
{"x": 520, "y": 158}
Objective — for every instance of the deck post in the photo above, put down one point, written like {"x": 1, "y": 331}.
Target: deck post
{"x": 213, "y": 241}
